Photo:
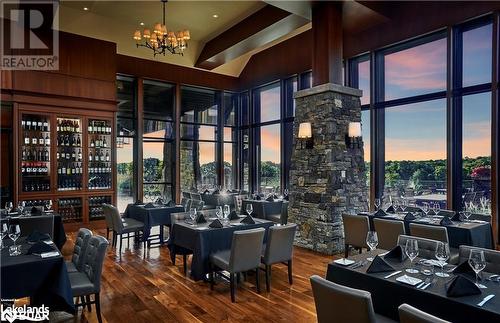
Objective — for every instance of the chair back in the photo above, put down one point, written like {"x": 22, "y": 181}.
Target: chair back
{"x": 186, "y": 203}
{"x": 40, "y": 223}
{"x": 388, "y": 232}
{"x": 447, "y": 213}
{"x": 492, "y": 258}
{"x": 272, "y": 208}
{"x": 94, "y": 259}
{"x": 81, "y": 244}
{"x": 356, "y": 228}
{"x": 114, "y": 214}
{"x": 410, "y": 314}
{"x": 196, "y": 196}
{"x": 108, "y": 217}
{"x": 337, "y": 303}
{"x": 197, "y": 204}
{"x": 433, "y": 232}
{"x": 279, "y": 247}
{"x": 426, "y": 247}
{"x": 186, "y": 195}
{"x": 246, "y": 249}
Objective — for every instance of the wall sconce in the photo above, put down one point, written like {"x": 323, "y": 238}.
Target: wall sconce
{"x": 305, "y": 135}
{"x": 354, "y": 139}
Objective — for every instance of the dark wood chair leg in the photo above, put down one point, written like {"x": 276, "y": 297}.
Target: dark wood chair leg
{"x": 98, "y": 307}
{"x": 184, "y": 264}
{"x": 268, "y": 285}
{"x": 257, "y": 282}
{"x": 346, "y": 251}
{"x": 120, "y": 247}
{"x": 212, "y": 277}
{"x": 82, "y": 300}
{"x": 290, "y": 278}
{"x": 89, "y": 306}
{"x": 231, "y": 282}
{"x": 107, "y": 233}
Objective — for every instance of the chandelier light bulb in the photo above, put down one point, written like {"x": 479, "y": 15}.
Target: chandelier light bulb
{"x": 146, "y": 34}
{"x": 137, "y": 35}
{"x": 157, "y": 28}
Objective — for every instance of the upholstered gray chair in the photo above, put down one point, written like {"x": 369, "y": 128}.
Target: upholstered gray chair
{"x": 196, "y": 196}
{"x": 178, "y": 217}
{"x": 273, "y": 211}
{"x": 492, "y": 258}
{"x": 109, "y": 223}
{"x": 388, "y": 232}
{"x": 410, "y": 314}
{"x": 279, "y": 248}
{"x": 433, "y": 232}
{"x": 123, "y": 226}
{"x": 447, "y": 213}
{"x": 87, "y": 281}
{"x": 81, "y": 243}
{"x": 40, "y": 223}
{"x": 341, "y": 304}
{"x": 426, "y": 247}
{"x": 197, "y": 204}
{"x": 356, "y": 228}
{"x": 244, "y": 255}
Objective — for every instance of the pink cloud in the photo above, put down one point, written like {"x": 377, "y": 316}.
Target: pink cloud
{"x": 270, "y": 144}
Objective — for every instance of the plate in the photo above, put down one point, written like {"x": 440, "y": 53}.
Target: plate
{"x": 344, "y": 262}
{"x": 405, "y": 279}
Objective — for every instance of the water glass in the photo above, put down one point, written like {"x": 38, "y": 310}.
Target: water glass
{"x": 437, "y": 208}
{"x": 442, "y": 254}
{"x": 377, "y": 204}
{"x": 14, "y": 233}
{"x": 411, "y": 250}
{"x": 20, "y": 207}
{"x": 192, "y": 214}
{"x": 4, "y": 231}
{"x": 8, "y": 207}
{"x": 48, "y": 205}
{"x": 425, "y": 208}
{"x": 227, "y": 210}
{"x": 427, "y": 268}
{"x": 371, "y": 241}
{"x": 218, "y": 212}
{"x": 477, "y": 263}
{"x": 249, "y": 208}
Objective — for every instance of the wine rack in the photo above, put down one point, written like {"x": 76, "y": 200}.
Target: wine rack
{"x": 70, "y": 209}
{"x": 69, "y": 154}
{"x": 35, "y": 153}
{"x": 99, "y": 158}
{"x": 95, "y": 206}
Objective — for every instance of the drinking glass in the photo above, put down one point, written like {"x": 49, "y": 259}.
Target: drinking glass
{"x": 285, "y": 192}
{"x": 192, "y": 214}
{"x": 442, "y": 254}
{"x": 377, "y": 204}
{"x": 14, "y": 233}
{"x": 218, "y": 212}
{"x": 249, "y": 208}
{"x": 20, "y": 207}
{"x": 48, "y": 205}
{"x": 467, "y": 215}
{"x": 477, "y": 263}
{"x": 8, "y": 207}
{"x": 437, "y": 208}
{"x": 371, "y": 241}
{"x": 425, "y": 208}
{"x": 4, "y": 232}
{"x": 227, "y": 210}
{"x": 411, "y": 250}
{"x": 404, "y": 203}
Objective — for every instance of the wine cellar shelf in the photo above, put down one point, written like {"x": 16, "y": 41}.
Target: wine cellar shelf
{"x": 67, "y": 158}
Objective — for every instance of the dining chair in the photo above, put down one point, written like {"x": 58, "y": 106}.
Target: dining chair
{"x": 244, "y": 255}
{"x": 196, "y": 196}
{"x": 434, "y": 232}
{"x": 238, "y": 203}
{"x": 356, "y": 228}
{"x": 273, "y": 211}
{"x": 123, "y": 226}
{"x": 410, "y": 314}
{"x": 178, "y": 217}
{"x": 87, "y": 281}
{"x": 186, "y": 195}
{"x": 426, "y": 247}
{"x": 491, "y": 256}
{"x": 109, "y": 223}
{"x": 186, "y": 203}
{"x": 342, "y": 304}
{"x": 40, "y": 223}
{"x": 388, "y": 232}
{"x": 279, "y": 248}
{"x": 81, "y": 244}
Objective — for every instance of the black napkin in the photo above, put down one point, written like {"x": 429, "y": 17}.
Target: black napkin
{"x": 409, "y": 216}
{"x": 216, "y": 192}
{"x": 379, "y": 265}
{"x": 159, "y": 201}
{"x": 36, "y": 236}
{"x": 233, "y": 215}
{"x": 248, "y": 220}
{"x": 445, "y": 221}
{"x": 257, "y": 197}
{"x": 462, "y": 286}
{"x": 464, "y": 268}
{"x": 396, "y": 253}
{"x": 206, "y": 192}
{"x": 149, "y": 206}
{"x": 380, "y": 212}
{"x": 215, "y": 224}
{"x": 270, "y": 198}
{"x": 200, "y": 218}
{"x": 390, "y": 209}
{"x": 458, "y": 217}
{"x": 228, "y": 191}
{"x": 39, "y": 248}
{"x": 431, "y": 212}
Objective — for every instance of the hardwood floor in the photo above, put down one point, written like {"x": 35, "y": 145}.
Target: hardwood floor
{"x": 148, "y": 288}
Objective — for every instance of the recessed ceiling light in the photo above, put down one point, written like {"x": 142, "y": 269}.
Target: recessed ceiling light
{"x": 215, "y": 15}
{"x": 142, "y": 24}
{"x": 85, "y": 8}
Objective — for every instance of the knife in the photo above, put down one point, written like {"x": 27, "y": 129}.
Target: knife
{"x": 392, "y": 274}
{"x": 487, "y": 298}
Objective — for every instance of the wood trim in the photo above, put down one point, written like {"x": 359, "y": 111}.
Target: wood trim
{"x": 495, "y": 133}
{"x": 178, "y": 143}
{"x": 140, "y": 129}
{"x": 64, "y": 102}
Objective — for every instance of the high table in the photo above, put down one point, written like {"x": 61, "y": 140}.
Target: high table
{"x": 44, "y": 280}
{"x": 388, "y": 294}
{"x": 477, "y": 233}
{"x": 159, "y": 215}
{"x": 203, "y": 241}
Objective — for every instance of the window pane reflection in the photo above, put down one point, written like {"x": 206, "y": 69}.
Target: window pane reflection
{"x": 477, "y": 49}
{"x": 125, "y": 172}
{"x": 270, "y": 158}
{"x": 230, "y": 162}
{"x": 270, "y": 103}
{"x": 198, "y": 105}
{"x": 198, "y": 165}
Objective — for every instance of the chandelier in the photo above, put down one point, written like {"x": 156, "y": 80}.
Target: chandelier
{"x": 162, "y": 40}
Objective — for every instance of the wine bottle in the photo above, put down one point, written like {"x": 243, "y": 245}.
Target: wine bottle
{"x": 41, "y": 140}
{"x": 34, "y": 140}
{"x": 26, "y": 138}
{"x": 45, "y": 125}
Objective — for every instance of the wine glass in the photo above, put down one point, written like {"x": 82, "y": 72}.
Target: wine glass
{"x": 437, "y": 208}
{"x": 285, "y": 192}
{"x": 442, "y": 254}
{"x": 425, "y": 208}
{"x": 227, "y": 210}
{"x": 218, "y": 212}
{"x": 48, "y": 205}
{"x": 4, "y": 231}
{"x": 467, "y": 215}
{"x": 404, "y": 204}
{"x": 477, "y": 263}
{"x": 371, "y": 241}
{"x": 411, "y": 250}
{"x": 249, "y": 208}
{"x": 192, "y": 214}
{"x": 8, "y": 207}
{"x": 14, "y": 233}
{"x": 20, "y": 207}
{"x": 377, "y": 203}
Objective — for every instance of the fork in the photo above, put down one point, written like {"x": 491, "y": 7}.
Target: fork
{"x": 425, "y": 282}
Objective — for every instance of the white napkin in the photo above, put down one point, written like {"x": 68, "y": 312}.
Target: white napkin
{"x": 405, "y": 279}
{"x": 49, "y": 254}
{"x": 344, "y": 262}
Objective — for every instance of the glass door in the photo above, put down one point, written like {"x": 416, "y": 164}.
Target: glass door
{"x": 99, "y": 154}
{"x": 69, "y": 154}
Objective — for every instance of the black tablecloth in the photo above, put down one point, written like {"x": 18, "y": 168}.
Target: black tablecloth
{"x": 459, "y": 233}
{"x": 45, "y": 280}
{"x": 159, "y": 215}
{"x": 203, "y": 242}
{"x": 388, "y": 294}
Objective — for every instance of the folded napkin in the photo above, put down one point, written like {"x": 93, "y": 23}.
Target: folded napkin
{"x": 36, "y": 236}
{"x": 149, "y": 206}
{"x": 206, "y": 192}
{"x": 445, "y": 221}
{"x": 228, "y": 191}
{"x": 248, "y": 220}
{"x": 216, "y": 192}
{"x": 390, "y": 209}
{"x": 458, "y": 217}
{"x": 464, "y": 268}
{"x": 159, "y": 201}
{"x": 462, "y": 286}
{"x": 215, "y": 224}
{"x": 380, "y": 212}
{"x": 39, "y": 248}
{"x": 233, "y": 215}
{"x": 270, "y": 198}
{"x": 409, "y": 216}
{"x": 431, "y": 212}
{"x": 396, "y": 253}
{"x": 379, "y": 265}
{"x": 286, "y": 198}
{"x": 200, "y": 218}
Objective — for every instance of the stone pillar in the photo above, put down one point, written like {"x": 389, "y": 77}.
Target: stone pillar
{"x": 328, "y": 179}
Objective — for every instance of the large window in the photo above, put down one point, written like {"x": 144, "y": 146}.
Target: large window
{"x": 230, "y": 148}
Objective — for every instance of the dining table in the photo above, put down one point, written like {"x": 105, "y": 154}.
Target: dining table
{"x": 388, "y": 293}
{"x": 203, "y": 241}
{"x": 262, "y": 208}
